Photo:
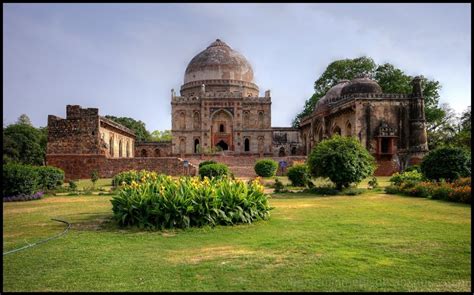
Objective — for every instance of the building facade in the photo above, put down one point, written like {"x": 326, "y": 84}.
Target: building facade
{"x": 391, "y": 126}
{"x": 219, "y": 107}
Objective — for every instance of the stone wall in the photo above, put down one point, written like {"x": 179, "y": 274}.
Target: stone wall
{"x": 81, "y": 166}
{"x": 153, "y": 149}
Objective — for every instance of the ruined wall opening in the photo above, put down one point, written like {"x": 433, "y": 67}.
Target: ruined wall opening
{"x": 246, "y": 145}
{"x": 196, "y": 146}
{"x": 144, "y": 153}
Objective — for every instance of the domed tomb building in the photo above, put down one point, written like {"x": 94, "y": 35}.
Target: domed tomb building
{"x": 391, "y": 126}
{"x": 219, "y": 108}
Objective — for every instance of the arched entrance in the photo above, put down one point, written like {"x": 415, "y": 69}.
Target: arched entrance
{"x": 222, "y": 129}
{"x": 223, "y": 145}
{"x": 196, "y": 146}
{"x": 281, "y": 153}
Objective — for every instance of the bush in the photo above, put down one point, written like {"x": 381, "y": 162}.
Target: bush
{"x": 19, "y": 180}
{"x": 49, "y": 178}
{"x": 266, "y": 167}
{"x": 325, "y": 190}
{"x": 449, "y": 163}
{"x": 94, "y": 177}
{"x": 298, "y": 175}
{"x": 180, "y": 203}
{"x": 373, "y": 183}
{"x": 207, "y": 162}
{"x": 72, "y": 185}
{"x": 214, "y": 170}
{"x": 412, "y": 168}
{"x": 278, "y": 186}
{"x": 406, "y": 176}
{"x": 342, "y": 159}
{"x": 392, "y": 189}
{"x": 421, "y": 190}
{"x": 352, "y": 191}
{"x": 127, "y": 177}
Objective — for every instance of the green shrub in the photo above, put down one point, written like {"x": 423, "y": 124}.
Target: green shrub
{"x": 421, "y": 190}
{"x": 373, "y": 183}
{"x": 342, "y": 159}
{"x": 214, "y": 170}
{"x": 352, "y": 191}
{"x": 325, "y": 190}
{"x": 188, "y": 201}
{"x": 19, "y": 180}
{"x": 412, "y": 168}
{"x": 72, "y": 185}
{"x": 207, "y": 162}
{"x": 407, "y": 176}
{"x": 94, "y": 177}
{"x": 392, "y": 189}
{"x": 449, "y": 163}
{"x": 266, "y": 167}
{"x": 278, "y": 186}
{"x": 298, "y": 175}
{"x": 49, "y": 178}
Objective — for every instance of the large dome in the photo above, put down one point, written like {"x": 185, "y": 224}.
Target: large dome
{"x": 361, "y": 84}
{"x": 218, "y": 62}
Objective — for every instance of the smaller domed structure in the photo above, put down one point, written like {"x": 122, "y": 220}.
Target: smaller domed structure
{"x": 361, "y": 84}
{"x": 334, "y": 92}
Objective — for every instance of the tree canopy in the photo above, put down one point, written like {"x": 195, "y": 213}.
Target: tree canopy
{"x": 137, "y": 126}
{"x": 158, "y": 135}
{"x": 390, "y": 79}
{"x": 23, "y": 143}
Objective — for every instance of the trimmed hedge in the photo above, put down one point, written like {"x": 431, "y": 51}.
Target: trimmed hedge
{"x": 214, "y": 170}
{"x": 298, "y": 174}
{"x": 266, "y": 167}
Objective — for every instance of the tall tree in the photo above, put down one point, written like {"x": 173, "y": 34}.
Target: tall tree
{"x": 390, "y": 79}
{"x": 24, "y": 144}
{"x": 137, "y": 126}
{"x": 24, "y": 119}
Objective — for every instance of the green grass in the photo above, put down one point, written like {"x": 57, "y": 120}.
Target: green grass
{"x": 369, "y": 242}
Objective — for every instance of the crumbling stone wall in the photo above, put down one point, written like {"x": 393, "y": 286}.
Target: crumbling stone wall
{"x": 153, "y": 149}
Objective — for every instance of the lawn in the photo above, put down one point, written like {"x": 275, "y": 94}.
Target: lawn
{"x": 369, "y": 242}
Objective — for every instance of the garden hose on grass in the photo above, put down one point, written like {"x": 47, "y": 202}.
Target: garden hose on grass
{"x": 42, "y": 241}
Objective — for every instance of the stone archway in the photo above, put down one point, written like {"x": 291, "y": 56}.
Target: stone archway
{"x": 222, "y": 129}
{"x": 223, "y": 145}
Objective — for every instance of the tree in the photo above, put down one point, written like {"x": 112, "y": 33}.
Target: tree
{"x": 342, "y": 159}
{"x": 390, "y": 79}
{"x": 24, "y": 119}
{"x": 137, "y": 126}
{"x": 23, "y": 143}
{"x": 158, "y": 135}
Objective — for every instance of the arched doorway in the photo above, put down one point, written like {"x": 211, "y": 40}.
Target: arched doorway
{"x": 247, "y": 145}
{"x": 336, "y": 130}
{"x": 196, "y": 146}
{"x": 223, "y": 145}
{"x": 157, "y": 152}
{"x": 281, "y": 153}
{"x": 222, "y": 129}
{"x": 144, "y": 153}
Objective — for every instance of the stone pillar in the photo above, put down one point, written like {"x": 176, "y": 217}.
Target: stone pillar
{"x": 418, "y": 140}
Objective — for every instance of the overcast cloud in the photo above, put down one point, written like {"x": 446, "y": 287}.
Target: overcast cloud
{"x": 125, "y": 58}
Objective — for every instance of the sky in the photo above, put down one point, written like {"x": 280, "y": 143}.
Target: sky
{"x": 125, "y": 58}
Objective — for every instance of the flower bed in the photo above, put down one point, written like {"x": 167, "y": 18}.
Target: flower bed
{"x": 159, "y": 201}
{"x": 456, "y": 191}
{"x": 23, "y": 197}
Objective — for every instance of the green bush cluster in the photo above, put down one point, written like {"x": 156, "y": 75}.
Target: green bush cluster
{"x": 21, "y": 179}
{"x": 449, "y": 163}
{"x": 217, "y": 170}
{"x": 207, "y": 162}
{"x": 342, "y": 159}
{"x": 278, "y": 186}
{"x": 49, "y": 178}
{"x": 266, "y": 167}
{"x": 298, "y": 174}
{"x": 165, "y": 202}
{"x": 406, "y": 177}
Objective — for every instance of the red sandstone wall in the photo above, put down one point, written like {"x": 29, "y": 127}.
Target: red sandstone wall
{"x": 81, "y": 166}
